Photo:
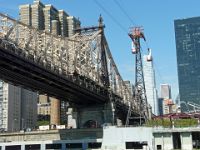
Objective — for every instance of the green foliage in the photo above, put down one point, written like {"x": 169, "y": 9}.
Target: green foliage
{"x": 169, "y": 123}
{"x": 43, "y": 122}
{"x": 185, "y": 122}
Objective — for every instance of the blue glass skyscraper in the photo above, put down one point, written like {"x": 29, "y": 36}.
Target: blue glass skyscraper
{"x": 187, "y": 35}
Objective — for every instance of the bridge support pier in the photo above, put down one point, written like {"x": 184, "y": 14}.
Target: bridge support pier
{"x": 55, "y": 111}
{"x": 91, "y": 116}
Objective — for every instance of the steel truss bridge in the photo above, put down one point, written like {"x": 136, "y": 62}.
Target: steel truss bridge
{"x": 79, "y": 69}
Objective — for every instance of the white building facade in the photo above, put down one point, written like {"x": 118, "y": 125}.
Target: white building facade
{"x": 18, "y": 107}
{"x": 165, "y": 90}
{"x": 150, "y": 84}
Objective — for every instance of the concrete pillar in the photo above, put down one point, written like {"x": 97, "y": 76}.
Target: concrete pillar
{"x": 3, "y": 147}
{"x": 186, "y": 140}
{"x": 55, "y": 111}
{"x": 72, "y": 118}
{"x": 42, "y": 146}
{"x": 23, "y": 147}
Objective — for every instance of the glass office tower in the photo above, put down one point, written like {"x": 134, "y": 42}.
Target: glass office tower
{"x": 187, "y": 35}
{"x": 150, "y": 84}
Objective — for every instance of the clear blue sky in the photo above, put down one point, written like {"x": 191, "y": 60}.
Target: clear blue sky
{"x": 156, "y": 16}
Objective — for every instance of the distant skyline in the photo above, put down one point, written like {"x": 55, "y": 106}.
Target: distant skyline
{"x": 157, "y": 18}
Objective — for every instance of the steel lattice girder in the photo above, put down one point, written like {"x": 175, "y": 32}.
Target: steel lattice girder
{"x": 79, "y": 54}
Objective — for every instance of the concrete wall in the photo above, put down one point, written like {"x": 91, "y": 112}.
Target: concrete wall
{"x": 100, "y": 114}
{"x": 163, "y": 139}
{"x": 65, "y": 134}
{"x": 95, "y": 114}
{"x": 116, "y": 138}
{"x": 186, "y": 141}
{"x": 166, "y": 140}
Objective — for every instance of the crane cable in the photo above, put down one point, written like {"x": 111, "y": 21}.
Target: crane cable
{"x": 113, "y": 18}
{"x": 128, "y": 17}
{"x": 125, "y": 13}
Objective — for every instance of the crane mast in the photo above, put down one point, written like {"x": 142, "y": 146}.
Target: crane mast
{"x": 136, "y": 34}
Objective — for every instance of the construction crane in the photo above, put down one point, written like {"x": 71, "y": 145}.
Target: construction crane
{"x": 136, "y": 34}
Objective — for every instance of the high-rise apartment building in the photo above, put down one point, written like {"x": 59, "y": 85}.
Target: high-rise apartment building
{"x": 63, "y": 22}
{"x": 187, "y": 35}
{"x": 28, "y": 108}
{"x": 18, "y": 107}
{"x": 150, "y": 84}
{"x": 11, "y": 107}
{"x": 50, "y": 15}
{"x": 44, "y": 108}
{"x": 165, "y": 90}
{"x": 25, "y": 14}
{"x": 72, "y": 24}
{"x": 48, "y": 18}
{"x": 37, "y": 15}
{"x": 165, "y": 99}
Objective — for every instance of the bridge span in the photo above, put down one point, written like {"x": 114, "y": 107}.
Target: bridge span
{"x": 78, "y": 69}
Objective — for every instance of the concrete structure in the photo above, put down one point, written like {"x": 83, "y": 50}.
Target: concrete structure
{"x": 150, "y": 84}
{"x": 108, "y": 138}
{"x": 188, "y": 56}
{"x": 55, "y": 111}
{"x": 127, "y": 138}
{"x": 53, "y": 139}
{"x": 91, "y": 116}
{"x": 18, "y": 108}
{"x": 48, "y": 18}
{"x": 176, "y": 138}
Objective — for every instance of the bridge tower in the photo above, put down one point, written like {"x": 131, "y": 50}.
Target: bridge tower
{"x": 136, "y": 34}
{"x": 104, "y": 69}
